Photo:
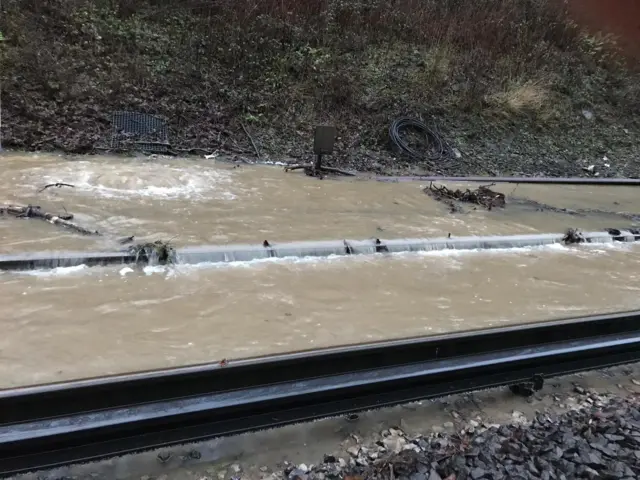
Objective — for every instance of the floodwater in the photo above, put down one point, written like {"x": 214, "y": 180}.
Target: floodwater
{"x": 79, "y": 322}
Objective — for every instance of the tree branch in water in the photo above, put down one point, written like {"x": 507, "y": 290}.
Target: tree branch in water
{"x": 57, "y": 185}
{"x": 34, "y": 211}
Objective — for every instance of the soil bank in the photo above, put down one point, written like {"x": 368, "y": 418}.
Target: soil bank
{"x": 512, "y": 88}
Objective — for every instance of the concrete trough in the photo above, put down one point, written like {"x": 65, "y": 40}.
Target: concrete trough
{"x": 245, "y": 253}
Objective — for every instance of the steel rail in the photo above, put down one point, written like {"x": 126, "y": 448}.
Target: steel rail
{"x": 615, "y": 181}
{"x": 46, "y": 426}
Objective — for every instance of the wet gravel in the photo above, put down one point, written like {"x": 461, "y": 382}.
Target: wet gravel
{"x": 599, "y": 439}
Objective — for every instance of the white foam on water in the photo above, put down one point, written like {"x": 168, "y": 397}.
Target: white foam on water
{"x": 152, "y": 179}
{"x": 125, "y": 270}
{"x": 55, "y": 272}
{"x": 454, "y": 259}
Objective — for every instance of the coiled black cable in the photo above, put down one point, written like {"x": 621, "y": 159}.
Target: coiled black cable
{"x": 434, "y": 145}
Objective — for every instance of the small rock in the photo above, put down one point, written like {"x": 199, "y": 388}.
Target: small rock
{"x": 264, "y": 469}
{"x": 588, "y": 114}
{"x": 236, "y": 468}
{"x": 477, "y": 473}
{"x": 434, "y": 475}
{"x": 578, "y": 389}
{"x": 163, "y": 457}
{"x": 297, "y": 474}
{"x": 437, "y": 429}
{"x": 353, "y": 451}
{"x": 394, "y": 444}
{"x": 222, "y": 474}
{"x": 302, "y": 467}
{"x": 448, "y": 425}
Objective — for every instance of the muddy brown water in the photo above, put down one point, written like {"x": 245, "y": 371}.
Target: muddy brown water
{"x": 80, "y": 322}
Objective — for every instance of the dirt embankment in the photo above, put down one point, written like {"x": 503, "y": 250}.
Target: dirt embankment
{"x": 512, "y": 87}
{"x": 620, "y": 18}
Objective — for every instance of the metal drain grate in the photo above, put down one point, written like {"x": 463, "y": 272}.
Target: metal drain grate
{"x": 139, "y": 131}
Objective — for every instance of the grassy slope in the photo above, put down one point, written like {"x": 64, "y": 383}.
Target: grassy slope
{"x": 504, "y": 81}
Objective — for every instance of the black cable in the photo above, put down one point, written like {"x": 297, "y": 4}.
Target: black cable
{"x": 433, "y": 142}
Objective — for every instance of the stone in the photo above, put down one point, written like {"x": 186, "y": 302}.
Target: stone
{"x": 235, "y": 468}
{"x": 588, "y": 114}
{"x": 394, "y": 443}
{"x": 434, "y": 475}
{"x": 353, "y": 451}
{"x": 297, "y": 474}
{"x": 478, "y": 473}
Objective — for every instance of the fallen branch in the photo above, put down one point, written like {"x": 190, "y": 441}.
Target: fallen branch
{"x": 125, "y": 240}
{"x": 154, "y": 253}
{"x": 251, "y": 140}
{"x": 57, "y": 185}
{"x": 573, "y": 236}
{"x": 33, "y": 211}
{"x": 483, "y": 196}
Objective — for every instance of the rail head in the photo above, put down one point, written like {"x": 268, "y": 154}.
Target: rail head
{"x": 47, "y": 401}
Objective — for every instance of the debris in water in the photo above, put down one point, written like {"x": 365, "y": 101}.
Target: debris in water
{"x": 483, "y": 196}
{"x": 573, "y": 236}
{"x": 34, "y": 211}
{"x": 56, "y": 185}
{"x": 154, "y": 253}
{"x": 125, "y": 240}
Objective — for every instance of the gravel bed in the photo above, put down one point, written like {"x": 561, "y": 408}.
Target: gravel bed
{"x": 598, "y": 439}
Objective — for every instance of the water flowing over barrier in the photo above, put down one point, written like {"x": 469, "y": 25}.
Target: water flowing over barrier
{"x": 245, "y": 253}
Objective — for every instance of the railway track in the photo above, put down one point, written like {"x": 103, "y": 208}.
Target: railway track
{"x": 42, "y": 427}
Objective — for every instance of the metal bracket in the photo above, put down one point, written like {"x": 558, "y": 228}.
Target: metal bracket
{"x": 268, "y": 246}
{"x": 380, "y": 247}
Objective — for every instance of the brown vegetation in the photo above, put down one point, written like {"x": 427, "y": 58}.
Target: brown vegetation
{"x": 283, "y": 66}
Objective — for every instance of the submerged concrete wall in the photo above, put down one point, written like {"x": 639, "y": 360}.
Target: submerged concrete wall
{"x": 243, "y": 253}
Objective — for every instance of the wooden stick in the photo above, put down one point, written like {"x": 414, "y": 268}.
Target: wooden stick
{"x": 32, "y": 211}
